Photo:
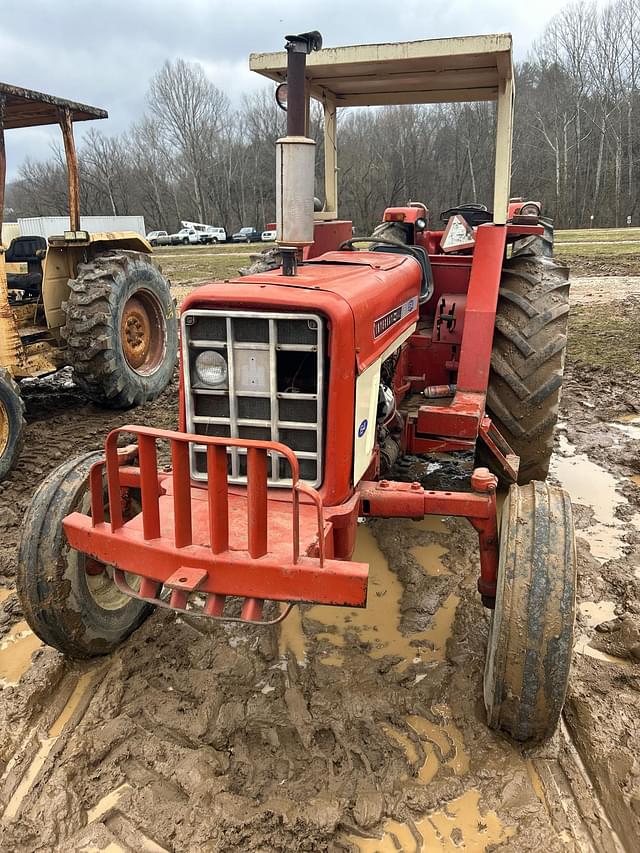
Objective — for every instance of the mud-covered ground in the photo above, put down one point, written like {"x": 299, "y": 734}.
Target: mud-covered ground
{"x": 342, "y": 730}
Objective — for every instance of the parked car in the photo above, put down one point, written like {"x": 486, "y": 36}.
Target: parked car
{"x": 269, "y": 236}
{"x": 185, "y": 236}
{"x": 211, "y": 234}
{"x": 246, "y": 235}
{"x": 158, "y": 238}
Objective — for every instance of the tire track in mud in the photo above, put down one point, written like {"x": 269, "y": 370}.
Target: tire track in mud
{"x": 107, "y": 817}
{"x": 109, "y": 814}
{"x": 27, "y": 772}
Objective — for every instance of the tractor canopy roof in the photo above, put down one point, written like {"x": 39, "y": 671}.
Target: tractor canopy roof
{"x": 432, "y": 71}
{"x": 468, "y": 68}
{"x": 26, "y": 108}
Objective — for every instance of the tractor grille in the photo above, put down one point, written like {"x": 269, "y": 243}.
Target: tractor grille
{"x": 273, "y": 391}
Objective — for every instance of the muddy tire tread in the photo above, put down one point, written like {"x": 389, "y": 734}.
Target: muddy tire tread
{"x": 527, "y": 362}
{"x": 92, "y": 331}
{"x": 40, "y": 581}
{"x": 531, "y": 634}
{"x": 17, "y": 423}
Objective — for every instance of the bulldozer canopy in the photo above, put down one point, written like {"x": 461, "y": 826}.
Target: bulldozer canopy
{"x": 27, "y": 108}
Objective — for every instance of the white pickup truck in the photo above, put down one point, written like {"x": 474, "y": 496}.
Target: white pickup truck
{"x": 203, "y": 233}
{"x": 185, "y": 236}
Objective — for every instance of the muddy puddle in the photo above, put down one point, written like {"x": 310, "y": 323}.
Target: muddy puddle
{"x": 16, "y": 649}
{"x": 591, "y": 485}
{"x": 434, "y": 746}
{"x": 376, "y": 627}
{"x": 458, "y": 826}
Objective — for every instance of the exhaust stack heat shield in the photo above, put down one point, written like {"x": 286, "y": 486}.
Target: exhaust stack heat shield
{"x": 295, "y": 179}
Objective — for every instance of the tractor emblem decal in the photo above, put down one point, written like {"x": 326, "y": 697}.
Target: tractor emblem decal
{"x": 384, "y": 323}
{"x": 363, "y": 428}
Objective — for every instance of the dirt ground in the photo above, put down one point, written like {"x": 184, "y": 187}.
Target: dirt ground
{"x": 343, "y": 730}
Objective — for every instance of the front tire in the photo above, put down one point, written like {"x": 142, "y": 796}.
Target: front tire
{"x": 121, "y": 329}
{"x": 79, "y": 612}
{"x": 527, "y": 362}
{"x": 531, "y": 634}
{"x": 11, "y": 423}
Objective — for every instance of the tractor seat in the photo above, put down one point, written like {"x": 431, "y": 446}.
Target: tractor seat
{"x": 30, "y": 250}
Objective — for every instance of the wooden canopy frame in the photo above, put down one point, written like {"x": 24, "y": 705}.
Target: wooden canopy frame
{"x": 28, "y": 108}
{"x": 469, "y": 68}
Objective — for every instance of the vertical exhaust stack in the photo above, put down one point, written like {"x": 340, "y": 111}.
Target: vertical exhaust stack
{"x": 295, "y": 158}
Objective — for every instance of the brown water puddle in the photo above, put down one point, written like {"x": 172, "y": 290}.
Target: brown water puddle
{"x": 595, "y": 613}
{"x": 15, "y": 652}
{"x": 430, "y": 557}
{"x": 460, "y": 825}
{"x": 291, "y": 636}
{"x": 591, "y": 485}
{"x": 629, "y": 425}
{"x": 378, "y": 623}
{"x": 442, "y": 744}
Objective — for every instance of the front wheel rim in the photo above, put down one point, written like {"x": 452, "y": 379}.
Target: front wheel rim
{"x": 143, "y": 333}
{"x": 102, "y": 587}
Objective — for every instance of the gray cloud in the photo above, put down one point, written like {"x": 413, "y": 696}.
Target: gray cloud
{"x": 103, "y": 53}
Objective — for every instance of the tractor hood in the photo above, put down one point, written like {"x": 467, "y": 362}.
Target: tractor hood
{"x": 379, "y": 290}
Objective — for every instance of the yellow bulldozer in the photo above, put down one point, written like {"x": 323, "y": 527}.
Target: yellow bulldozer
{"x": 95, "y": 302}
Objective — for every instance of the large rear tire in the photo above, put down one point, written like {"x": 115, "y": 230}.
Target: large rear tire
{"x": 527, "y": 362}
{"x": 121, "y": 329}
{"x": 536, "y": 244}
{"x": 11, "y": 422}
{"x": 70, "y": 601}
{"x": 531, "y": 634}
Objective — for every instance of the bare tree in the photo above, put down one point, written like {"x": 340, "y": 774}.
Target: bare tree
{"x": 191, "y": 112}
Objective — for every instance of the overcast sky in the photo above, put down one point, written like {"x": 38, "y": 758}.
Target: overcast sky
{"x": 104, "y": 52}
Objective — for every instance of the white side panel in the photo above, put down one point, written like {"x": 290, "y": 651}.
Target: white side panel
{"x": 364, "y": 431}
{"x": 367, "y": 385}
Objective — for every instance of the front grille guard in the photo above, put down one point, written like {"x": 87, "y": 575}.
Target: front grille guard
{"x": 121, "y": 474}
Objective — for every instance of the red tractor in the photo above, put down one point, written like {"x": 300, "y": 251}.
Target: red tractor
{"x": 321, "y": 391}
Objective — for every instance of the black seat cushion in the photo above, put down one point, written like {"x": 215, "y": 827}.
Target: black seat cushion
{"x": 29, "y": 281}
{"x": 25, "y": 249}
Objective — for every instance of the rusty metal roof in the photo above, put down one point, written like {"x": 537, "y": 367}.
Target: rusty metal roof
{"x": 26, "y": 108}
{"x": 468, "y": 68}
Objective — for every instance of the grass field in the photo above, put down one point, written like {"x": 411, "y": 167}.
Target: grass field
{"x": 186, "y": 264}
{"x": 593, "y": 251}
{"x": 598, "y": 235}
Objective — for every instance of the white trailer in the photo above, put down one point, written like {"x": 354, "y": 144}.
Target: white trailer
{"x": 46, "y": 226}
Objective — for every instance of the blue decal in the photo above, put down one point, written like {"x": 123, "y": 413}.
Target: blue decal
{"x": 363, "y": 428}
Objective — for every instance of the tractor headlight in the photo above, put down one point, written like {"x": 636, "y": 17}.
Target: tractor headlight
{"x": 530, "y": 209}
{"x": 211, "y": 368}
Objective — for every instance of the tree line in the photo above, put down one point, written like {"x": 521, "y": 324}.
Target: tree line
{"x": 195, "y": 156}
